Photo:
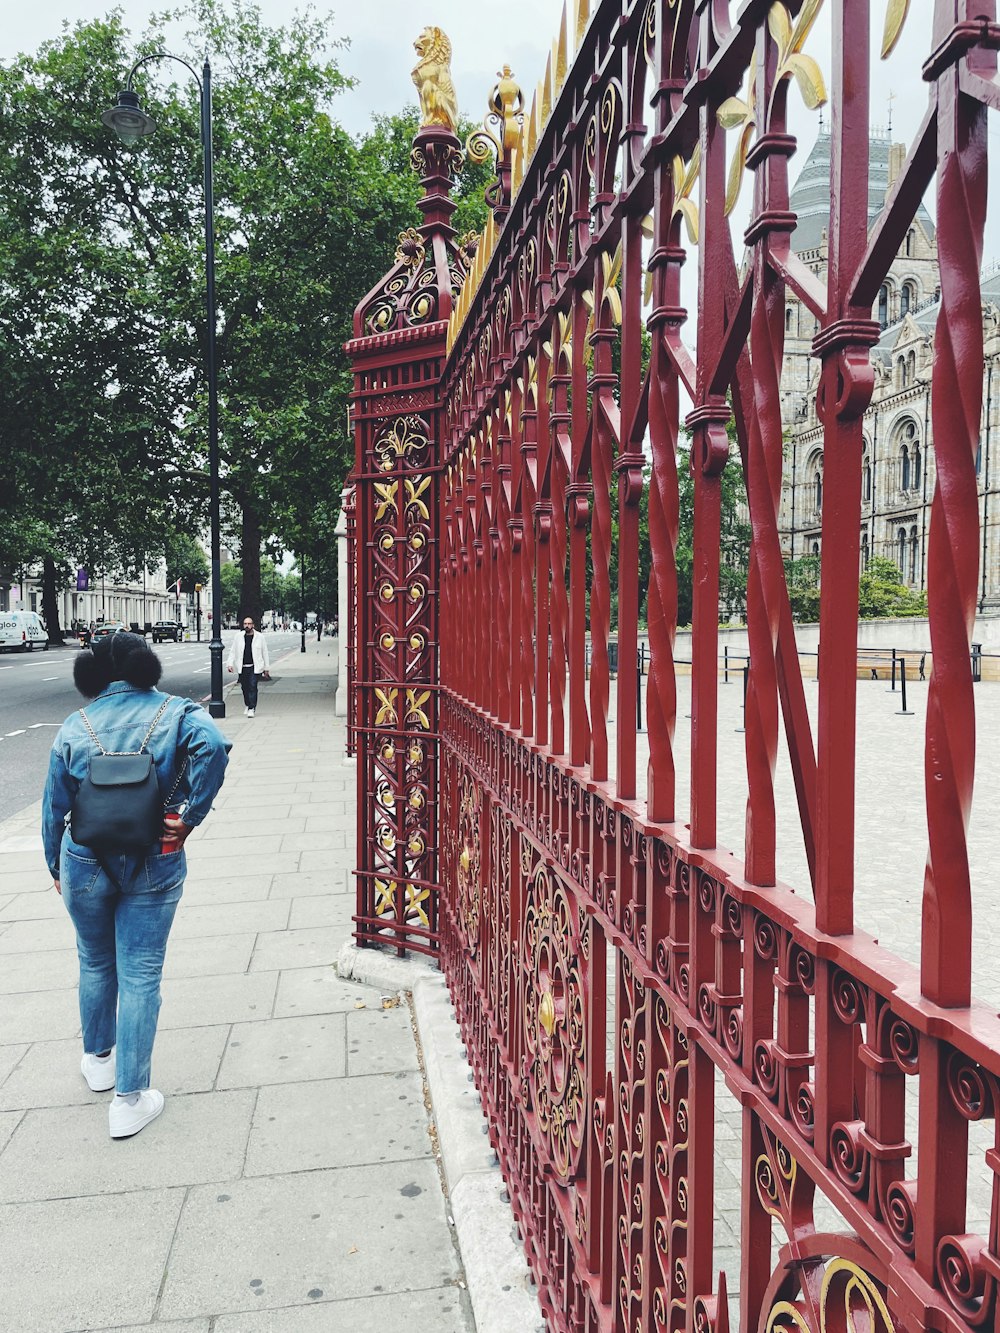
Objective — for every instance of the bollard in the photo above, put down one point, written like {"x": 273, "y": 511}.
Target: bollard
{"x": 743, "y": 705}
{"x": 725, "y": 664}
{"x": 904, "y": 711}
{"x": 892, "y": 687}
{"x": 638, "y": 686}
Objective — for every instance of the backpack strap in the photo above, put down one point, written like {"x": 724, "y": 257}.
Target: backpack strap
{"x": 145, "y": 740}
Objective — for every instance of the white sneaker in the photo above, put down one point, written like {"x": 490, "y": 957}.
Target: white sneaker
{"x": 250, "y": 712}
{"x": 246, "y": 712}
{"x": 125, "y": 1120}
{"x": 100, "y": 1074}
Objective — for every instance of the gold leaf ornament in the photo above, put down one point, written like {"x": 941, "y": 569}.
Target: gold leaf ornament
{"x": 684, "y": 181}
{"x": 895, "y": 17}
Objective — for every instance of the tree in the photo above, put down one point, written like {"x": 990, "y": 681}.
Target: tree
{"x": 802, "y": 577}
{"x": 882, "y": 592}
{"x": 735, "y": 537}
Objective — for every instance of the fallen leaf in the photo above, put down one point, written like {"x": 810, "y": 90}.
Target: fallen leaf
{"x": 353, "y": 1250}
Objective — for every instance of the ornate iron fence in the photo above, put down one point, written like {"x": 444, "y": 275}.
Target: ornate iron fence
{"x": 606, "y": 960}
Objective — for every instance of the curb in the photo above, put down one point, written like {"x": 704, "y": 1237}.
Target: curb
{"x": 500, "y": 1286}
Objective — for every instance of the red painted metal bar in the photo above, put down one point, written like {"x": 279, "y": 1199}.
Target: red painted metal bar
{"x": 621, "y": 981}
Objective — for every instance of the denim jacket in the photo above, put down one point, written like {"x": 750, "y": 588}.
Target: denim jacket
{"x": 121, "y": 715}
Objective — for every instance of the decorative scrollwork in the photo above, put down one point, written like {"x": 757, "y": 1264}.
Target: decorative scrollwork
{"x": 469, "y": 858}
{"x": 404, "y": 440}
{"x": 553, "y": 1017}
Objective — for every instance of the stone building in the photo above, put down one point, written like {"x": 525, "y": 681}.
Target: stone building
{"x": 898, "y": 464}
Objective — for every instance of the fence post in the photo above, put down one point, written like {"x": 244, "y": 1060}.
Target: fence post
{"x": 892, "y": 687}
{"x": 903, "y": 711}
{"x": 725, "y": 664}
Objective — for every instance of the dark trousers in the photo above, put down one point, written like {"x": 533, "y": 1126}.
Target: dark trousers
{"x": 248, "y": 684}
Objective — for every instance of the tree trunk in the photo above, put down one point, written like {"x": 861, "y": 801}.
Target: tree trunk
{"x": 250, "y": 561}
{"x": 50, "y": 602}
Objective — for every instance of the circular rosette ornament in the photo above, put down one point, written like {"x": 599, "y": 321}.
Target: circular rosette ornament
{"x": 554, "y": 1021}
{"x": 469, "y": 887}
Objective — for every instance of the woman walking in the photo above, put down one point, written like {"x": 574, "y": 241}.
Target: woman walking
{"x": 122, "y": 904}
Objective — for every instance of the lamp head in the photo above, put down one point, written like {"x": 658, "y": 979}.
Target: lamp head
{"x": 127, "y": 118}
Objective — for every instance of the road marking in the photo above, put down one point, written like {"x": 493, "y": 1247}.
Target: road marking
{"x": 16, "y": 733}
{"x": 34, "y": 725}
{"x": 45, "y": 678}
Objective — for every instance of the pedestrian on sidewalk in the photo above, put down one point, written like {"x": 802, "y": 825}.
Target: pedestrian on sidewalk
{"x": 122, "y": 904}
{"x": 250, "y": 648}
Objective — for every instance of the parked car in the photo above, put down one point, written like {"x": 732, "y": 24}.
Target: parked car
{"x": 21, "y": 631}
{"x": 109, "y": 627}
{"x": 166, "y": 629}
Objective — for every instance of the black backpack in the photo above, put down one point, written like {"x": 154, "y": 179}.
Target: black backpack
{"x": 119, "y": 808}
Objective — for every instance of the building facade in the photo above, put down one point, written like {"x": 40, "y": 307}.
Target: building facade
{"x": 898, "y": 461}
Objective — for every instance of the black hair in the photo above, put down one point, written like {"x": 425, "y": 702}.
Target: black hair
{"x": 120, "y": 656}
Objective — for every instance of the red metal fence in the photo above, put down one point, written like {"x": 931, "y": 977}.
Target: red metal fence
{"x": 606, "y": 961}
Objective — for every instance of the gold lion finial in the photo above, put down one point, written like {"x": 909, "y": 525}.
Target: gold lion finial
{"x": 432, "y": 77}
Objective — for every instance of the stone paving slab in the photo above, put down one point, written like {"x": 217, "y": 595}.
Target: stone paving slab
{"x": 65, "y": 1152}
{"x": 229, "y": 918}
{"x": 65, "y": 1267}
{"x": 276, "y": 1240}
{"x": 436, "y": 1311}
{"x": 316, "y": 990}
{"x": 338, "y": 1122}
{"x": 190, "y": 1002}
{"x": 50, "y": 969}
{"x": 284, "y": 1050}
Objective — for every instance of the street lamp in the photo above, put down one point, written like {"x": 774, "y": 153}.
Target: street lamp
{"x": 131, "y": 123}
{"x": 302, "y": 593}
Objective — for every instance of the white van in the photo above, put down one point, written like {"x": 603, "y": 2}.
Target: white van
{"x": 21, "y": 631}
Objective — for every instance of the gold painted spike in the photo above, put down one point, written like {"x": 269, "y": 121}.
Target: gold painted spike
{"x": 546, "y": 87}
{"x": 532, "y": 140}
{"x": 562, "y": 50}
{"x": 582, "y": 19}
{"x": 491, "y": 234}
{"x": 516, "y": 169}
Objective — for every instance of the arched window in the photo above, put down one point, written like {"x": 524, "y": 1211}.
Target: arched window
{"x": 909, "y": 242}
{"x": 916, "y": 467}
{"x": 815, "y": 548}
{"x": 864, "y": 551}
{"x": 904, "y": 468}
{"x": 818, "y": 487}
{"x": 901, "y": 372}
{"x": 866, "y": 481}
{"x": 913, "y": 555}
{"x": 901, "y": 551}
{"x": 789, "y": 318}
{"x": 906, "y": 299}
{"x": 883, "y": 305}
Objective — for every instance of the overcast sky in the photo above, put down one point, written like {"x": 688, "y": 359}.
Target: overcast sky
{"x": 487, "y": 33}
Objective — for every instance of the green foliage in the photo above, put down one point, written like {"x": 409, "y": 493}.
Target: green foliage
{"x": 802, "y": 577}
{"x": 734, "y": 544}
{"x": 103, "y": 399}
{"x": 185, "y": 560}
{"x": 883, "y": 594}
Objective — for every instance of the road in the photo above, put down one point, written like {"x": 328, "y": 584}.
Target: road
{"x": 37, "y": 693}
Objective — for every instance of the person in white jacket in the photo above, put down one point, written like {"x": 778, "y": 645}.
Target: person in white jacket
{"x": 249, "y": 648}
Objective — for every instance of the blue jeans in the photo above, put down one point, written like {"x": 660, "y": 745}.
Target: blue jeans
{"x": 248, "y": 684}
{"x": 121, "y": 938}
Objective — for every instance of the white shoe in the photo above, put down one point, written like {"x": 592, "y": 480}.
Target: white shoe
{"x": 100, "y": 1074}
{"x": 246, "y": 712}
{"x": 250, "y": 712}
{"x": 125, "y": 1120}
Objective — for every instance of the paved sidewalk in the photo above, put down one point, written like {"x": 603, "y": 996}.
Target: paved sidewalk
{"x": 291, "y": 1183}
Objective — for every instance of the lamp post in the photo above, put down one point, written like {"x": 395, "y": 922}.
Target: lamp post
{"x": 302, "y": 593}
{"x": 131, "y": 123}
